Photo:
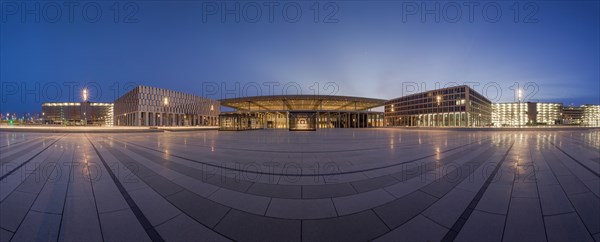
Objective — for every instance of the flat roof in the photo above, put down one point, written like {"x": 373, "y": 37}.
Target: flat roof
{"x": 302, "y": 102}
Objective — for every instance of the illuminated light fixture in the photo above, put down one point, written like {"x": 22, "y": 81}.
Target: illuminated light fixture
{"x": 85, "y": 95}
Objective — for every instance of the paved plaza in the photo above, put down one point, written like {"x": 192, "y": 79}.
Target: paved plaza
{"x": 335, "y": 184}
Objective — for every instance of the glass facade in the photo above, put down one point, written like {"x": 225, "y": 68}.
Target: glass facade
{"x": 591, "y": 115}
{"x": 238, "y": 122}
{"x": 572, "y": 115}
{"x": 526, "y": 113}
{"x": 330, "y": 111}
{"x": 457, "y": 106}
{"x": 303, "y": 121}
{"x": 78, "y": 113}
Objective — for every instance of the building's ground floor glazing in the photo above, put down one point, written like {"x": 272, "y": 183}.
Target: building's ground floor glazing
{"x": 281, "y": 119}
{"x": 165, "y": 119}
{"x": 457, "y": 119}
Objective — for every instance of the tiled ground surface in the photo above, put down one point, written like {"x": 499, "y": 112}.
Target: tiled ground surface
{"x": 369, "y": 184}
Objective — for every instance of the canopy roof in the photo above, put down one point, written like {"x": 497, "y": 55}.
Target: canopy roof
{"x": 302, "y": 102}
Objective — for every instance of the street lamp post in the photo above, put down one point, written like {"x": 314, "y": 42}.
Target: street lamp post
{"x": 165, "y": 104}
{"x": 85, "y": 98}
{"x": 519, "y": 115}
{"x": 439, "y": 98}
{"x": 211, "y": 115}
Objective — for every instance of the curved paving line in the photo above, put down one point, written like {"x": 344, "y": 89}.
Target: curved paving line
{"x": 303, "y": 152}
{"x": 292, "y": 191}
{"x": 30, "y": 159}
{"x": 460, "y": 222}
{"x": 172, "y": 192}
{"x": 282, "y": 174}
{"x": 150, "y": 230}
{"x": 192, "y": 205}
{"x": 420, "y": 199}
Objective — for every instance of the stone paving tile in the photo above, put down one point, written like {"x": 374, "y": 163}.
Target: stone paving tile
{"x": 154, "y": 206}
{"x": 554, "y": 200}
{"x": 277, "y": 191}
{"x": 241, "y": 201}
{"x": 122, "y": 225}
{"x": 356, "y": 227}
{"x": 5, "y": 235}
{"x": 162, "y": 185}
{"x": 242, "y": 226}
{"x": 196, "y": 186}
{"x": 374, "y": 183}
{"x": 38, "y": 226}
{"x": 234, "y": 184}
{"x": 176, "y": 195}
{"x": 525, "y": 189}
{"x": 587, "y": 206}
{"x": 449, "y": 208}
{"x": 362, "y": 201}
{"x": 401, "y": 210}
{"x": 14, "y": 208}
{"x": 495, "y": 199}
{"x": 80, "y": 220}
{"x": 202, "y": 209}
{"x": 566, "y": 227}
{"x": 108, "y": 196}
{"x": 417, "y": 229}
{"x": 327, "y": 191}
{"x": 544, "y": 178}
{"x": 29, "y": 174}
{"x": 572, "y": 185}
{"x": 482, "y": 226}
{"x": 301, "y": 208}
{"x": 524, "y": 221}
{"x": 183, "y": 228}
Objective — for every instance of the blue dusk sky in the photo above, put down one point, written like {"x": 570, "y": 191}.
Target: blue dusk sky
{"x": 50, "y": 50}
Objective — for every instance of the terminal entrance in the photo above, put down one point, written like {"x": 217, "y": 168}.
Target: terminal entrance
{"x": 300, "y": 120}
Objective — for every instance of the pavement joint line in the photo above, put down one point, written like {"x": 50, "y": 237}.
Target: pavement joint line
{"x": 64, "y": 205}
{"x": 437, "y": 199}
{"x": 537, "y": 188}
{"x": 301, "y": 175}
{"x": 36, "y": 197}
{"x": 94, "y": 196}
{"x": 573, "y": 158}
{"x": 108, "y": 148}
{"x": 36, "y": 170}
{"x": 30, "y": 159}
{"x": 144, "y": 222}
{"x": 569, "y": 195}
{"x": 22, "y": 142}
{"x": 458, "y": 225}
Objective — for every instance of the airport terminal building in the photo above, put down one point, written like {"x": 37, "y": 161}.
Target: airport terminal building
{"x": 151, "y": 106}
{"x": 301, "y": 112}
{"x": 458, "y": 106}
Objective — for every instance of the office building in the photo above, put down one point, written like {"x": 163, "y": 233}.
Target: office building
{"x": 458, "y": 106}
{"x": 151, "y": 106}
